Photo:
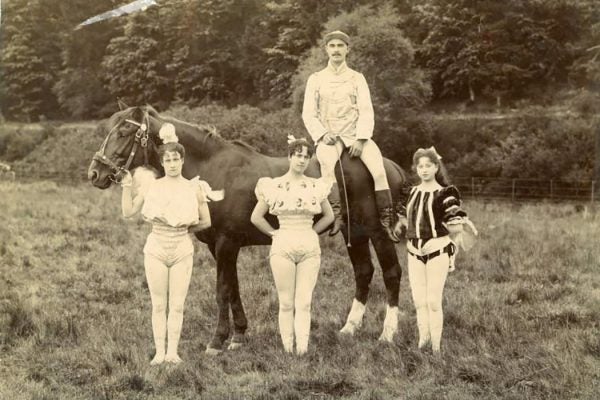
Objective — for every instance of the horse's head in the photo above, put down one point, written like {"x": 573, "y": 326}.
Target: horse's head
{"x": 129, "y": 143}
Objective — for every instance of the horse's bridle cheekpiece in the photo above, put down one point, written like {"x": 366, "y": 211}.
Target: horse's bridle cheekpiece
{"x": 141, "y": 140}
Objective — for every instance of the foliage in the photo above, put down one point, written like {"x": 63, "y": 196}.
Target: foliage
{"x": 29, "y": 61}
{"x": 251, "y": 51}
{"x": 494, "y": 49}
{"x": 526, "y": 146}
{"x": 17, "y": 141}
{"x": 79, "y": 88}
{"x": 133, "y": 66}
{"x": 265, "y": 131}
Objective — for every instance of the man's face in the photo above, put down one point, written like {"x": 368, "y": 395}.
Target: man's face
{"x": 337, "y": 50}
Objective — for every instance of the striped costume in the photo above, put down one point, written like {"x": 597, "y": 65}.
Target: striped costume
{"x": 431, "y": 255}
{"x": 427, "y": 212}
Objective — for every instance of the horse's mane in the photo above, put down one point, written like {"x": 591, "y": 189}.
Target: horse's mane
{"x": 210, "y": 129}
{"x": 212, "y": 133}
{"x": 244, "y": 146}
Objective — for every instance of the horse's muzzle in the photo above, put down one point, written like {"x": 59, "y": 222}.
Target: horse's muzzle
{"x": 96, "y": 178}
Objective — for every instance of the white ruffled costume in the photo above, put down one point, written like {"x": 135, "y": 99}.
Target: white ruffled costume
{"x": 295, "y": 255}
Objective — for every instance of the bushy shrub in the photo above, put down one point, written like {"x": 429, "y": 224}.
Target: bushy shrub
{"x": 266, "y": 131}
{"x": 535, "y": 146}
{"x": 18, "y": 140}
{"x": 586, "y": 102}
{"x": 67, "y": 153}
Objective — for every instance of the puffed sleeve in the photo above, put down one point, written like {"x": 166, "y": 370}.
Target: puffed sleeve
{"x": 143, "y": 178}
{"x": 264, "y": 190}
{"x": 201, "y": 192}
{"x": 451, "y": 205}
{"x": 322, "y": 189}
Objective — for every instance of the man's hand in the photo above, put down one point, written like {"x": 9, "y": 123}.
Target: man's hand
{"x": 328, "y": 139}
{"x": 357, "y": 148}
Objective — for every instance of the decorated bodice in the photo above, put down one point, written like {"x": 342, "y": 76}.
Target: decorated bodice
{"x": 172, "y": 203}
{"x": 292, "y": 200}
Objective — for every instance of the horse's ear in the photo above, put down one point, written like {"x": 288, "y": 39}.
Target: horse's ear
{"x": 122, "y": 105}
{"x": 151, "y": 110}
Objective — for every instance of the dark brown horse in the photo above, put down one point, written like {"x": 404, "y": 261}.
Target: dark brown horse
{"x": 236, "y": 167}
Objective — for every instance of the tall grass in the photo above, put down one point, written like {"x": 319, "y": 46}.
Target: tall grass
{"x": 521, "y": 313}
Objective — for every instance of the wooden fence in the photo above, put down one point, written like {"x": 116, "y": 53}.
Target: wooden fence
{"x": 470, "y": 187}
{"x": 520, "y": 189}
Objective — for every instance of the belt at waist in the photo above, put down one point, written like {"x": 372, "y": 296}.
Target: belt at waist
{"x": 449, "y": 248}
{"x": 295, "y": 223}
{"x": 167, "y": 230}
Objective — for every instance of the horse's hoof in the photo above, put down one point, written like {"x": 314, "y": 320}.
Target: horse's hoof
{"x": 212, "y": 351}
{"x": 387, "y": 336}
{"x": 237, "y": 341}
{"x": 348, "y": 329}
{"x": 234, "y": 346}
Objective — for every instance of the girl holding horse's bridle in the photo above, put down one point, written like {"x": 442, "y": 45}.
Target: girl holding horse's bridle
{"x": 174, "y": 205}
{"x": 295, "y": 255}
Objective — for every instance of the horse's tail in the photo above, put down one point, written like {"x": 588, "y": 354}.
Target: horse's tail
{"x": 400, "y": 192}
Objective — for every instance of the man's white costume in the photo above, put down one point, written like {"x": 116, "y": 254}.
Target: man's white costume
{"x": 337, "y": 102}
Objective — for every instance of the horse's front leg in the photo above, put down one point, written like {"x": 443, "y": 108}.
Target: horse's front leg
{"x": 240, "y": 323}
{"x": 226, "y": 253}
{"x": 360, "y": 256}
{"x": 392, "y": 273}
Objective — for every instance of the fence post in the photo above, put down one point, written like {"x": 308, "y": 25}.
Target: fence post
{"x": 472, "y": 187}
{"x": 551, "y": 188}
{"x": 512, "y": 197}
{"x": 592, "y": 194}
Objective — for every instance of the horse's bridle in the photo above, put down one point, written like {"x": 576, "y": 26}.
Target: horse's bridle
{"x": 141, "y": 140}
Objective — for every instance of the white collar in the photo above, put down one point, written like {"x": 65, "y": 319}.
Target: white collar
{"x": 342, "y": 68}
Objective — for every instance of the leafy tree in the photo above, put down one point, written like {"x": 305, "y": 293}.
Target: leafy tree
{"x": 79, "y": 88}
{"x": 29, "y": 61}
{"x": 134, "y": 66}
{"x": 494, "y": 49}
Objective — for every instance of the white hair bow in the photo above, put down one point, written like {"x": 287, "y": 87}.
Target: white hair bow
{"x": 291, "y": 138}
{"x": 167, "y": 133}
{"x": 436, "y": 153}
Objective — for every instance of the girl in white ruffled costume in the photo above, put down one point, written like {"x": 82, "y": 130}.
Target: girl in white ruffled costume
{"x": 174, "y": 205}
{"x": 295, "y": 255}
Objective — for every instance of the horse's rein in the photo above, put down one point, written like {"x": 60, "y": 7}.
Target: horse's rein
{"x": 141, "y": 139}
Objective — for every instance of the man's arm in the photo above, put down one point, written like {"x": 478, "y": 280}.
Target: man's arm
{"x": 366, "y": 117}
{"x": 310, "y": 112}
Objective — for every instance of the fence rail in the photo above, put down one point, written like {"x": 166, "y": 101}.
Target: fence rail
{"x": 470, "y": 187}
{"x": 526, "y": 189}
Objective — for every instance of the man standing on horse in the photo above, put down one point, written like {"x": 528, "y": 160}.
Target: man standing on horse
{"x": 338, "y": 114}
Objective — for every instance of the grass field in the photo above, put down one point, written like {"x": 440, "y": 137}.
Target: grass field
{"x": 522, "y": 313}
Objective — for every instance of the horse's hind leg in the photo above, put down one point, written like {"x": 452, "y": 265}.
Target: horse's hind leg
{"x": 360, "y": 256}
{"x": 240, "y": 323}
{"x": 392, "y": 273}
{"x": 226, "y": 256}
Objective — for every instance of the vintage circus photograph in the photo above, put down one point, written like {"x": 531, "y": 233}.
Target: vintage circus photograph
{"x": 299, "y": 199}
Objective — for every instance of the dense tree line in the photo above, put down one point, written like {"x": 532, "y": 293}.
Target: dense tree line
{"x": 234, "y": 52}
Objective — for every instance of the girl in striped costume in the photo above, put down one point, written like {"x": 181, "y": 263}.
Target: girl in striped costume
{"x": 433, "y": 212}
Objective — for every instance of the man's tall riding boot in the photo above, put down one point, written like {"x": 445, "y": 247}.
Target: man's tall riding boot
{"x": 383, "y": 198}
{"x": 336, "y": 205}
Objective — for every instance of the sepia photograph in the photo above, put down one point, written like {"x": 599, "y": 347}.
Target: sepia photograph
{"x": 299, "y": 199}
